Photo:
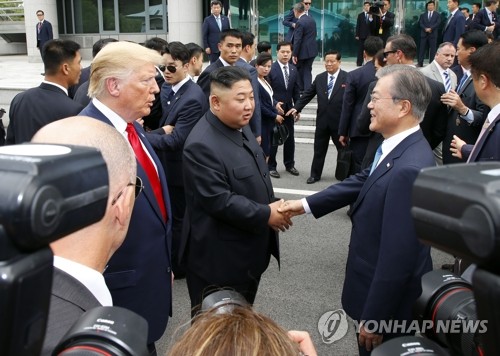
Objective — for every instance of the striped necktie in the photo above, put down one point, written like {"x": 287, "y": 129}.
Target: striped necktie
{"x": 447, "y": 82}
{"x": 330, "y": 85}
{"x": 287, "y": 76}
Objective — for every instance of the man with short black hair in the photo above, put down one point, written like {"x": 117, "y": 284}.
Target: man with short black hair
{"x": 34, "y": 108}
{"x": 486, "y": 19}
{"x": 43, "y": 31}
{"x": 455, "y": 23}
{"x": 429, "y": 23}
{"x": 195, "y": 61}
{"x": 212, "y": 26}
{"x": 362, "y": 30}
{"x": 383, "y": 22}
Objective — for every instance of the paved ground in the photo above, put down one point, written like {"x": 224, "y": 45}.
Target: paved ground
{"x": 313, "y": 252}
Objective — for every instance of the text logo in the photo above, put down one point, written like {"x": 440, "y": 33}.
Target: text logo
{"x": 333, "y": 325}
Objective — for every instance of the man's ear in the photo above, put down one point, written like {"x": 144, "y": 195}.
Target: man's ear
{"x": 113, "y": 86}
{"x": 214, "y": 102}
{"x": 123, "y": 207}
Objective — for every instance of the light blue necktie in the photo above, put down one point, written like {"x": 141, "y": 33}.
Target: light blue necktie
{"x": 462, "y": 81}
{"x": 378, "y": 154}
{"x": 219, "y": 23}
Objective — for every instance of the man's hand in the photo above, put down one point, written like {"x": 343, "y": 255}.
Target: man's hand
{"x": 369, "y": 340}
{"x": 259, "y": 139}
{"x": 140, "y": 121}
{"x": 280, "y": 108}
{"x": 294, "y": 113}
{"x": 456, "y": 146}
{"x": 207, "y": 50}
{"x": 453, "y": 100}
{"x": 303, "y": 338}
{"x": 294, "y": 60}
{"x": 344, "y": 140}
{"x": 168, "y": 129}
{"x": 277, "y": 220}
{"x": 292, "y": 208}
{"x": 279, "y": 119}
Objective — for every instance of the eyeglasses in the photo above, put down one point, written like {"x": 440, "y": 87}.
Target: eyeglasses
{"x": 171, "y": 69}
{"x": 374, "y": 99}
{"x": 139, "y": 186}
{"x": 386, "y": 53}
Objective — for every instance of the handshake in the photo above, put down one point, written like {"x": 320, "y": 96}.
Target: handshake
{"x": 282, "y": 212}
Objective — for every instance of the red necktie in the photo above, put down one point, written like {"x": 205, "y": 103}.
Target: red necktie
{"x": 147, "y": 165}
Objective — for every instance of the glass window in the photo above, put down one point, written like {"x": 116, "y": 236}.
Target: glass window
{"x": 68, "y": 13}
{"x": 156, "y": 15}
{"x": 108, "y": 15}
{"x": 86, "y": 16}
{"x": 132, "y": 16}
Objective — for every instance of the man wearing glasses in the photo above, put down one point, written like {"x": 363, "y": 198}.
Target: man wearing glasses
{"x": 43, "y": 31}
{"x": 81, "y": 257}
{"x": 386, "y": 261}
{"x": 139, "y": 275}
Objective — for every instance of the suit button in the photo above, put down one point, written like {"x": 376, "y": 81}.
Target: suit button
{"x": 265, "y": 175}
{"x": 169, "y": 270}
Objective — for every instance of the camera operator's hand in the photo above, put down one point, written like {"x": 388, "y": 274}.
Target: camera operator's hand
{"x": 304, "y": 340}
{"x": 369, "y": 340}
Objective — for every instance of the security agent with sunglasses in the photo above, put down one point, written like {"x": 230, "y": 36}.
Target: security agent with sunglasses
{"x": 81, "y": 257}
{"x": 386, "y": 261}
{"x": 183, "y": 104}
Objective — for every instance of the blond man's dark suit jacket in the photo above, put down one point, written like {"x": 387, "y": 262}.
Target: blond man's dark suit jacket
{"x": 69, "y": 300}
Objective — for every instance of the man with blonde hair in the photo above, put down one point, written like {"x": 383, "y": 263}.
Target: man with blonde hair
{"x": 81, "y": 257}
{"x": 122, "y": 87}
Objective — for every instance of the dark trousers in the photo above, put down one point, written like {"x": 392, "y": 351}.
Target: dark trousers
{"x": 361, "y": 48}
{"x": 213, "y": 57}
{"x": 178, "y": 206}
{"x": 321, "y": 142}
{"x": 427, "y": 41}
{"x": 288, "y": 148}
{"x": 358, "y": 146}
{"x": 199, "y": 288}
{"x": 304, "y": 71}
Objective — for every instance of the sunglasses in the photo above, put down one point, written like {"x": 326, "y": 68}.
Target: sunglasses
{"x": 139, "y": 186}
{"x": 388, "y": 52}
{"x": 307, "y": 3}
{"x": 171, "y": 69}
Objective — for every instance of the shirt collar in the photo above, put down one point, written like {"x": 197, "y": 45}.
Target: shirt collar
{"x": 392, "y": 142}
{"x": 93, "y": 280}
{"x": 495, "y": 111}
{"x": 224, "y": 62}
{"x": 177, "y": 86}
{"x": 440, "y": 69}
{"x": 118, "y": 122}
{"x": 65, "y": 90}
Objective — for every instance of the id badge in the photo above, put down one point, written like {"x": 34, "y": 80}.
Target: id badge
{"x": 380, "y": 31}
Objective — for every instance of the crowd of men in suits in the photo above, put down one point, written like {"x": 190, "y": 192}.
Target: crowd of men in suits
{"x": 207, "y": 210}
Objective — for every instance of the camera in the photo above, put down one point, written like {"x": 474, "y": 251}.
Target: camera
{"x": 47, "y": 192}
{"x": 456, "y": 209}
{"x": 376, "y": 8}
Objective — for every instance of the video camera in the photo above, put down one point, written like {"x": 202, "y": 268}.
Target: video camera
{"x": 456, "y": 209}
{"x": 48, "y": 192}
{"x": 376, "y": 8}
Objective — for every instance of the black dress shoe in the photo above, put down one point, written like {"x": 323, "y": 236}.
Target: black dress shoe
{"x": 274, "y": 174}
{"x": 312, "y": 180}
{"x": 293, "y": 171}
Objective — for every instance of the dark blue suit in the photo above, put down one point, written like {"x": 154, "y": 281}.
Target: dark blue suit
{"x": 289, "y": 21}
{"x": 362, "y": 32}
{"x": 305, "y": 49}
{"x": 385, "y": 25}
{"x": 44, "y": 35}
{"x": 327, "y": 116}
{"x": 268, "y": 116}
{"x": 428, "y": 39}
{"x": 488, "y": 146}
{"x": 211, "y": 34}
{"x": 288, "y": 95}
{"x": 36, "y": 107}
{"x": 358, "y": 82}
{"x": 139, "y": 273}
{"x": 454, "y": 28}
{"x": 385, "y": 261}
{"x": 185, "y": 109}
{"x": 482, "y": 20}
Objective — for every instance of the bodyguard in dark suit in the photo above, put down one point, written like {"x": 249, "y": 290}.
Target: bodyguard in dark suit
{"x": 486, "y": 83}
{"x": 362, "y": 31}
{"x": 429, "y": 23}
{"x": 329, "y": 88}
{"x": 386, "y": 261}
{"x": 455, "y": 23}
{"x": 487, "y": 20}
{"x": 183, "y": 104}
{"x": 305, "y": 47}
{"x": 231, "y": 221}
{"x": 37, "y": 107}
{"x": 139, "y": 275}
{"x": 383, "y": 23}
{"x": 289, "y": 21}
{"x": 467, "y": 112}
{"x": 43, "y": 31}
{"x": 287, "y": 93}
{"x": 212, "y": 26}
{"x": 81, "y": 257}
{"x": 357, "y": 83}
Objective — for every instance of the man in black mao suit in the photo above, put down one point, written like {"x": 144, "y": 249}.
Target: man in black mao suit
{"x": 362, "y": 31}
{"x": 287, "y": 94}
{"x": 211, "y": 30}
{"x": 487, "y": 20}
{"x": 305, "y": 47}
{"x": 386, "y": 261}
{"x": 81, "y": 257}
{"x": 139, "y": 275}
{"x": 329, "y": 110}
{"x": 183, "y": 104}
{"x": 37, "y": 107}
{"x": 357, "y": 84}
{"x": 486, "y": 84}
{"x": 43, "y": 31}
{"x": 467, "y": 112}
{"x": 231, "y": 216}
{"x": 429, "y": 23}
{"x": 455, "y": 24}
{"x": 383, "y": 23}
